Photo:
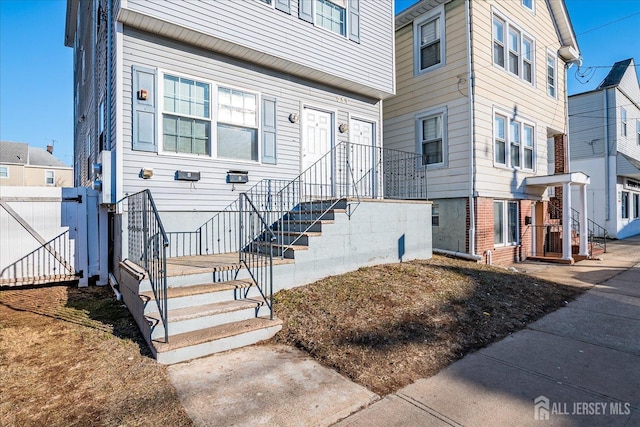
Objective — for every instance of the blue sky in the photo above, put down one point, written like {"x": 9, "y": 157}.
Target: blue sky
{"x": 36, "y": 82}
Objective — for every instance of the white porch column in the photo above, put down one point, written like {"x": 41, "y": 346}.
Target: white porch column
{"x": 584, "y": 229}
{"x": 566, "y": 221}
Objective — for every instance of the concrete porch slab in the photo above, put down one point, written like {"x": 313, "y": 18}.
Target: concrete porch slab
{"x": 265, "y": 385}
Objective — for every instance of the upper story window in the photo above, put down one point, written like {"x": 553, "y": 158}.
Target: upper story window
{"x": 513, "y": 50}
{"x": 49, "y": 177}
{"x": 552, "y": 75}
{"x": 4, "y": 172}
{"x": 528, "y": 4}
{"x": 431, "y": 137}
{"x": 638, "y": 131}
{"x": 186, "y": 119}
{"x": 623, "y": 121}
{"x": 429, "y": 42}
{"x": 515, "y": 148}
{"x": 237, "y": 124}
{"x": 331, "y": 15}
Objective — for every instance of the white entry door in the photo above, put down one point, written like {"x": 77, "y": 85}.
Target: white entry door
{"x": 316, "y": 144}
{"x": 363, "y": 158}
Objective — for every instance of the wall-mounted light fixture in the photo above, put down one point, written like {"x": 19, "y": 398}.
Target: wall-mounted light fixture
{"x": 293, "y": 117}
{"x": 146, "y": 173}
{"x": 343, "y": 128}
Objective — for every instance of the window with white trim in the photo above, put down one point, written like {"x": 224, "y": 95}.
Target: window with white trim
{"x": 636, "y": 205}
{"x": 429, "y": 42}
{"x": 186, "y": 118}
{"x": 624, "y": 206}
{"x": 513, "y": 50}
{"x": 4, "y": 172}
{"x": 49, "y": 177}
{"x": 505, "y": 222}
{"x": 528, "y": 4}
{"x": 552, "y": 75}
{"x": 513, "y": 146}
{"x": 237, "y": 124}
{"x": 638, "y": 131}
{"x": 332, "y": 15}
{"x": 435, "y": 215}
{"x": 623, "y": 121}
{"x": 431, "y": 139}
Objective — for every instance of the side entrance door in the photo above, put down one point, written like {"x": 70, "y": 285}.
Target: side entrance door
{"x": 363, "y": 158}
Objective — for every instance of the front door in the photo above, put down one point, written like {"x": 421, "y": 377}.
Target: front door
{"x": 316, "y": 160}
{"x": 362, "y": 158}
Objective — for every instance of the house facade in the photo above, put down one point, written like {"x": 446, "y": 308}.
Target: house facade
{"x": 481, "y": 89}
{"x": 26, "y": 166}
{"x": 184, "y": 97}
{"x": 604, "y": 126}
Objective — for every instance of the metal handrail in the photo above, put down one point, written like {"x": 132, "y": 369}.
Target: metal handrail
{"x": 148, "y": 244}
{"x": 594, "y": 230}
{"x": 254, "y": 234}
{"x": 47, "y": 262}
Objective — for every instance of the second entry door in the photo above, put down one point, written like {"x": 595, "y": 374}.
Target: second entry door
{"x": 317, "y": 164}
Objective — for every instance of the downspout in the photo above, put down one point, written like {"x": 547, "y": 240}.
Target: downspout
{"x": 607, "y": 191}
{"x": 566, "y": 117}
{"x": 109, "y": 88}
{"x": 472, "y": 151}
{"x": 94, "y": 63}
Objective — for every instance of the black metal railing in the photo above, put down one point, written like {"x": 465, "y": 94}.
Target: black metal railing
{"x": 548, "y": 239}
{"x": 256, "y": 252}
{"x": 148, "y": 244}
{"x": 52, "y": 261}
{"x": 596, "y": 234}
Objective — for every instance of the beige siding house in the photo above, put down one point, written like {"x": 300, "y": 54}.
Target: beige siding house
{"x": 480, "y": 91}
{"x": 22, "y": 165}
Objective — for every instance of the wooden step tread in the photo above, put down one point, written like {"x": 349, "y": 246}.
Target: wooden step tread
{"x": 183, "y": 291}
{"x": 180, "y": 314}
{"x": 215, "y": 333}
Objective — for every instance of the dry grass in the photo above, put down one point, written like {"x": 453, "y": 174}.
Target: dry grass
{"x": 387, "y": 326}
{"x": 75, "y": 357}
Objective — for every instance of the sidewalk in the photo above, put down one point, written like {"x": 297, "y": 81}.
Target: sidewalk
{"x": 587, "y": 352}
{"x": 581, "y": 363}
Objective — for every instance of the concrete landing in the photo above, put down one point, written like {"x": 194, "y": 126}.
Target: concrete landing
{"x": 270, "y": 385}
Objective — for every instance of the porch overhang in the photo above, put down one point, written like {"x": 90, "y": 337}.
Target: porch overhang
{"x": 540, "y": 183}
{"x": 627, "y": 166}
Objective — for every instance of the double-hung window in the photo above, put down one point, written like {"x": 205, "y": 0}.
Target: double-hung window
{"x": 4, "y": 172}
{"x": 623, "y": 121}
{"x": 552, "y": 75}
{"x": 429, "y": 42}
{"x": 431, "y": 139}
{"x": 332, "y": 15}
{"x": 638, "y": 131}
{"x": 514, "y": 146}
{"x": 624, "y": 206}
{"x": 513, "y": 50}
{"x": 505, "y": 222}
{"x": 435, "y": 215}
{"x": 237, "y": 124}
{"x": 186, "y": 119}
{"x": 49, "y": 177}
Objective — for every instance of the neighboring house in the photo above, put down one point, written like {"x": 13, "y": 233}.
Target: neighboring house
{"x": 481, "y": 88}
{"x": 200, "y": 102}
{"x": 604, "y": 130}
{"x": 22, "y": 165}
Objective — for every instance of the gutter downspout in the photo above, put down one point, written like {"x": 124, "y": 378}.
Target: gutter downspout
{"x": 457, "y": 254}
{"x": 607, "y": 191}
{"x": 472, "y": 151}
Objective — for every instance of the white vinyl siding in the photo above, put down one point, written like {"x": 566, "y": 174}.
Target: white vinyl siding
{"x": 429, "y": 42}
{"x": 513, "y": 49}
{"x": 505, "y": 222}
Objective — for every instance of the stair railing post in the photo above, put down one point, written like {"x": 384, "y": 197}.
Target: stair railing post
{"x": 145, "y": 232}
{"x": 240, "y": 225}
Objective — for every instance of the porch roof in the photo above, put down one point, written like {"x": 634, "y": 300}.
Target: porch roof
{"x": 627, "y": 166}
{"x": 545, "y": 181}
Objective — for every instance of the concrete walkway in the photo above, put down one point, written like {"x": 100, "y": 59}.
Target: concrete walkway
{"x": 581, "y": 364}
{"x": 580, "y": 359}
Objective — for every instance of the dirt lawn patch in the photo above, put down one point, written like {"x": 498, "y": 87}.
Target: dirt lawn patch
{"x": 75, "y": 357}
{"x": 387, "y": 326}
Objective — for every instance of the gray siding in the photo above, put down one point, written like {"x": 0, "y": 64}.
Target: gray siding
{"x": 212, "y": 192}
{"x": 258, "y": 32}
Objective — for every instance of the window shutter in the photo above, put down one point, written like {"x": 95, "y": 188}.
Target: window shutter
{"x": 284, "y": 5}
{"x": 305, "y": 11}
{"x": 144, "y": 110}
{"x": 354, "y": 20}
{"x": 269, "y": 130}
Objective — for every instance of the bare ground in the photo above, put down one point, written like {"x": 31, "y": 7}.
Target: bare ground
{"x": 75, "y": 357}
{"x": 387, "y": 326}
